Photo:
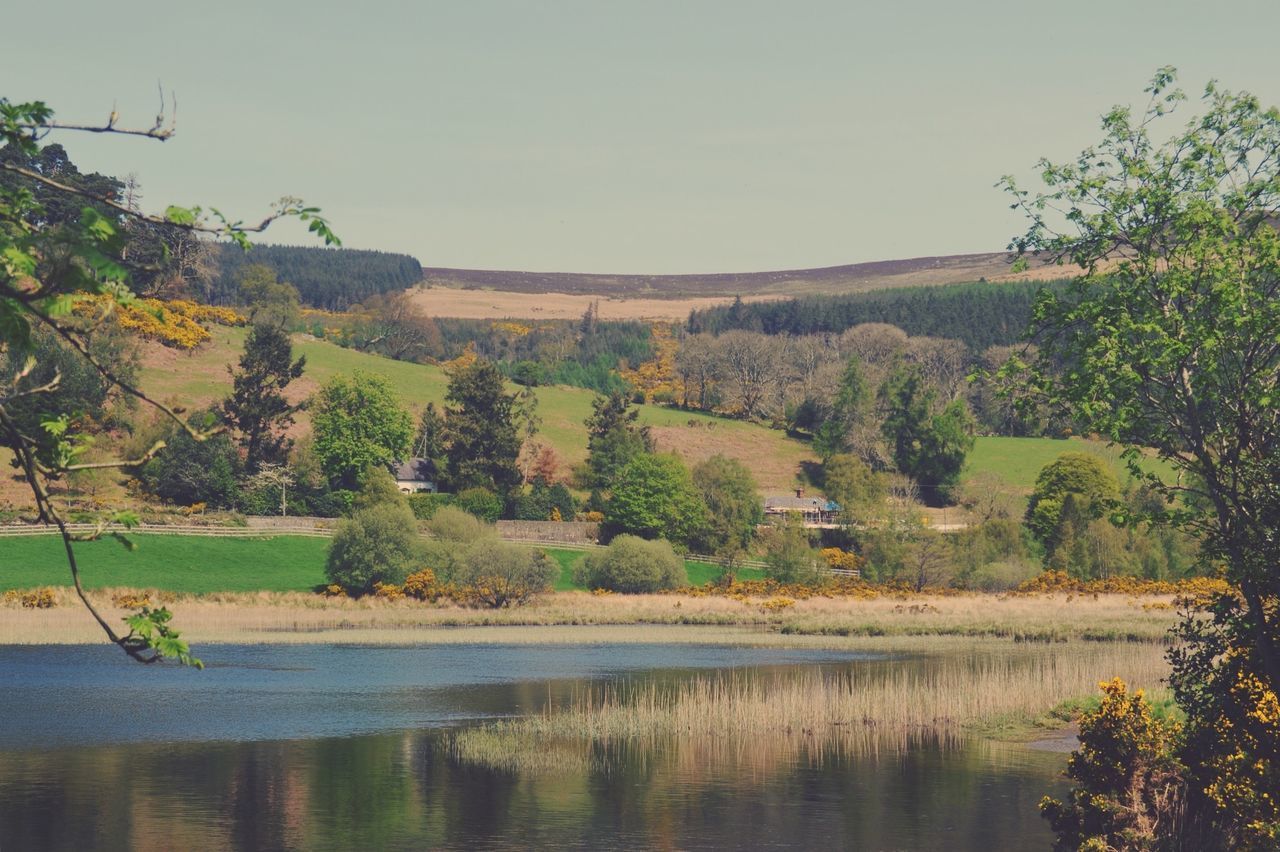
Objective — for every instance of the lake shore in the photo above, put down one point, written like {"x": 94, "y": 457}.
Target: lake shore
{"x": 579, "y": 617}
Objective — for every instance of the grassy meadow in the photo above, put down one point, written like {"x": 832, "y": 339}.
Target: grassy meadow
{"x": 203, "y": 564}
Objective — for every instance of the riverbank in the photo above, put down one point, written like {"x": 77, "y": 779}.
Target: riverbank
{"x": 291, "y": 617}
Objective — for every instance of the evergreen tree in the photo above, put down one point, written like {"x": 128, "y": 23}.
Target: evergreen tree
{"x": 430, "y": 440}
{"x": 847, "y": 409}
{"x": 257, "y": 408}
{"x": 483, "y": 444}
{"x": 613, "y": 438}
{"x": 930, "y": 448}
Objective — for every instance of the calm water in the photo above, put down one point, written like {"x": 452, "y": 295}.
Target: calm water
{"x": 339, "y": 747}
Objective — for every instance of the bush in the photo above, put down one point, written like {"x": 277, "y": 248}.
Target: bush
{"x": 497, "y": 573}
{"x": 452, "y": 524}
{"x": 425, "y": 506}
{"x": 632, "y": 565}
{"x": 378, "y": 544}
{"x": 481, "y": 502}
{"x": 791, "y": 559}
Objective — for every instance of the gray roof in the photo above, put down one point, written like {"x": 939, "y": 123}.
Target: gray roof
{"x": 414, "y": 470}
{"x": 790, "y": 502}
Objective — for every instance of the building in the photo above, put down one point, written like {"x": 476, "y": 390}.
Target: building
{"x": 415, "y": 476}
{"x": 812, "y": 511}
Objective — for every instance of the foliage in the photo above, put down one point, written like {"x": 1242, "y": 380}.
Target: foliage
{"x": 790, "y": 557}
{"x": 654, "y": 497}
{"x": 1131, "y": 790}
{"x": 498, "y": 574}
{"x": 928, "y": 447}
{"x": 480, "y": 426}
{"x": 850, "y": 407}
{"x": 257, "y": 408}
{"x": 270, "y": 301}
{"x": 327, "y": 278}
{"x": 379, "y": 543}
{"x": 455, "y": 525}
{"x": 632, "y": 565}
{"x": 480, "y": 502}
{"x": 358, "y": 423}
{"x": 1171, "y": 340}
{"x": 425, "y": 506}
{"x": 613, "y": 439}
{"x": 852, "y": 485}
{"x": 187, "y": 471}
{"x": 979, "y": 314}
{"x": 1079, "y": 475}
{"x": 734, "y": 510}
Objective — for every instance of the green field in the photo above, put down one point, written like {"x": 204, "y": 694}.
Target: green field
{"x": 1018, "y": 460}
{"x": 201, "y": 564}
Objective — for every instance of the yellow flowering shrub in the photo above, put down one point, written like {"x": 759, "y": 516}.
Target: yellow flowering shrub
{"x": 422, "y": 585}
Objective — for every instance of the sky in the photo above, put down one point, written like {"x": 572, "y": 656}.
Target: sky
{"x": 598, "y": 136}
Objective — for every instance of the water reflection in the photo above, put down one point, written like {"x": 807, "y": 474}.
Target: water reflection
{"x": 405, "y": 789}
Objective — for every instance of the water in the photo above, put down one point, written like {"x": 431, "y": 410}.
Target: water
{"x": 339, "y": 747}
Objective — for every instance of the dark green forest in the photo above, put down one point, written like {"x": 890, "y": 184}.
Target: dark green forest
{"x": 980, "y": 314}
{"x": 333, "y": 279}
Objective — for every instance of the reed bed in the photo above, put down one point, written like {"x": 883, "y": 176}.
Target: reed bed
{"x": 279, "y": 617}
{"x": 988, "y": 686}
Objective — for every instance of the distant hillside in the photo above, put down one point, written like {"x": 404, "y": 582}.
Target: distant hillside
{"x": 852, "y": 278}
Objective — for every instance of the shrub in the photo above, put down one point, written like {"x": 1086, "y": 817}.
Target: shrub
{"x": 422, "y": 585}
{"x": 378, "y": 544}
{"x": 790, "y": 559}
{"x": 481, "y": 502}
{"x": 455, "y": 525}
{"x": 424, "y": 506}
{"x": 497, "y": 573}
{"x": 632, "y": 565}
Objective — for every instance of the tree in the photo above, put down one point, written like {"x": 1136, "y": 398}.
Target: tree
{"x": 186, "y": 471}
{"x": 1082, "y": 476}
{"x": 632, "y": 565}
{"x": 848, "y": 409}
{"x": 930, "y": 448}
{"x": 613, "y": 438}
{"x": 271, "y": 302}
{"x": 394, "y": 325}
{"x": 751, "y": 363}
{"x": 858, "y": 490}
{"x": 430, "y": 440}
{"x": 734, "y": 510}
{"x": 358, "y": 424}
{"x": 257, "y": 408}
{"x": 498, "y": 573}
{"x": 791, "y": 558}
{"x": 483, "y": 444}
{"x": 1170, "y": 340}
{"x": 379, "y": 543}
{"x": 273, "y": 476}
{"x": 654, "y": 497}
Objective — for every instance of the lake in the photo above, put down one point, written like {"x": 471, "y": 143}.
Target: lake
{"x": 348, "y": 747}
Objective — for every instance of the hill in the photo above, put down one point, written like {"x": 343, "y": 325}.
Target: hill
{"x": 199, "y": 378}
{"x": 850, "y": 278}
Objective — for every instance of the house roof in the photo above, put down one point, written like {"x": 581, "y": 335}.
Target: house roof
{"x": 791, "y": 503}
{"x": 414, "y": 470}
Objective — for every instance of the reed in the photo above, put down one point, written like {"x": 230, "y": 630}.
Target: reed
{"x": 988, "y": 685}
{"x": 250, "y": 617}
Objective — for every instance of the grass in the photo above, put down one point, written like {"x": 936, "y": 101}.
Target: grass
{"x": 183, "y": 564}
{"x": 964, "y": 688}
{"x": 202, "y": 564}
{"x": 1018, "y": 460}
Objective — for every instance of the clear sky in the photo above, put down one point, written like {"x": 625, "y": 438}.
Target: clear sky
{"x": 596, "y": 136}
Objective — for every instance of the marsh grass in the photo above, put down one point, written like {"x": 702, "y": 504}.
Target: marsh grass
{"x": 250, "y": 617}
{"x": 984, "y": 688}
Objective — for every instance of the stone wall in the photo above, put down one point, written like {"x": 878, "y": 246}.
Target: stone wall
{"x": 573, "y": 532}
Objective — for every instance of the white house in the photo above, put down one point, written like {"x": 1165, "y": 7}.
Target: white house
{"x": 415, "y": 476}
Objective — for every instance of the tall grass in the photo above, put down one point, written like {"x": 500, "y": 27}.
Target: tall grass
{"x": 937, "y": 701}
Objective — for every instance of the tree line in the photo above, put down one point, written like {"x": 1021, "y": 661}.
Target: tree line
{"x": 980, "y": 315}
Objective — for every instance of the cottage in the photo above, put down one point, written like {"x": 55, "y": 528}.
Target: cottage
{"x": 415, "y": 476}
{"x": 812, "y": 511}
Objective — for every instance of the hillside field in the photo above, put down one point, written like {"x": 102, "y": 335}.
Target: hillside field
{"x": 201, "y": 377}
